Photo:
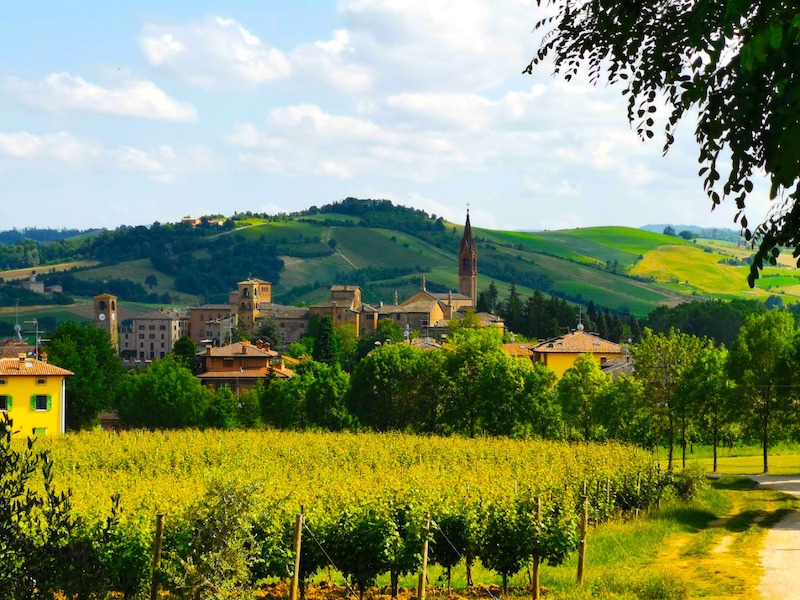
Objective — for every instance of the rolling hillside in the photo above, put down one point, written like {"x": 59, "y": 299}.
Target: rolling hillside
{"x": 388, "y": 250}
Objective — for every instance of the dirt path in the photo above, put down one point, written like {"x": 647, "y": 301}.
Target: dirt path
{"x": 780, "y": 556}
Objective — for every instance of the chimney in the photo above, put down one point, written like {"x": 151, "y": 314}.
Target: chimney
{"x": 43, "y": 357}
{"x": 259, "y": 344}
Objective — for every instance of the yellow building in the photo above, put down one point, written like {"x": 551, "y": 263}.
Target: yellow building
{"x": 560, "y": 353}
{"x": 32, "y": 394}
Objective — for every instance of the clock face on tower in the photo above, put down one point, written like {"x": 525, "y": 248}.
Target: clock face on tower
{"x": 101, "y": 316}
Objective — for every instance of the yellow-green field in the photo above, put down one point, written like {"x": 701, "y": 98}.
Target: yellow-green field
{"x": 17, "y": 274}
{"x": 691, "y": 269}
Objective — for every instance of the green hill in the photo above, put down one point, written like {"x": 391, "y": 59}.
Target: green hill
{"x": 387, "y": 249}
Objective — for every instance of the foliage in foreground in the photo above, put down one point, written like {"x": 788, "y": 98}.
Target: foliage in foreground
{"x": 231, "y": 499}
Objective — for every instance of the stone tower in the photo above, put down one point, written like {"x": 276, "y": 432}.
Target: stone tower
{"x": 105, "y": 317}
{"x": 468, "y": 264}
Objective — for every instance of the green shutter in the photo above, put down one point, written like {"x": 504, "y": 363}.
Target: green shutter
{"x": 49, "y": 402}
{"x": 33, "y": 402}
{"x": 8, "y": 403}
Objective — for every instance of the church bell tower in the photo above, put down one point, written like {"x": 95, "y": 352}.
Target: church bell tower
{"x": 468, "y": 264}
{"x": 105, "y": 317}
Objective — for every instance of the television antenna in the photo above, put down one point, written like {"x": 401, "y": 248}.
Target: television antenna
{"x": 37, "y": 337}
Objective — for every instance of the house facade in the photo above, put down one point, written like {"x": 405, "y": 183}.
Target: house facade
{"x": 154, "y": 334}
{"x": 239, "y": 366}
{"x": 560, "y": 353}
{"x": 33, "y": 395}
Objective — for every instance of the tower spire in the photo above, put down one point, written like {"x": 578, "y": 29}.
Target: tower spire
{"x": 468, "y": 264}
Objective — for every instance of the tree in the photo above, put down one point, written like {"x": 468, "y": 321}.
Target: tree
{"x": 185, "y": 352}
{"x": 269, "y": 331}
{"x": 325, "y": 397}
{"x": 151, "y": 281}
{"x": 165, "y": 395}
{"x": 706, "y": 387}
{"x": 325, "y": 350}
{"x": 660, "y": 363}
{"x": 669, "y": 230}
{"x": 757, "y": 364}
{"x": 580, "y": 390}
{"x": 86, "y": 351}
{"x": 731, "y": 63}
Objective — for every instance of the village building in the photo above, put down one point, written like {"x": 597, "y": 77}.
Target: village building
{"x": 239, "y": 366}
{"x": 153, "y": 334}
{"x": 345, "y": 306}
{"x": 33, "y": 395}
{"x": 560, "y": 353}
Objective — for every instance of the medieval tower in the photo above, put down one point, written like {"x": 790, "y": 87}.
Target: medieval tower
{"x": 105, "y": 317}
{"x": 468, "y": 264}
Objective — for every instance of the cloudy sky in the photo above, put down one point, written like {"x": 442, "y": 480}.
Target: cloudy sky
{"x": 132, "y": 112}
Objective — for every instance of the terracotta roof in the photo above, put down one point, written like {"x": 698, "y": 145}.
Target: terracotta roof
{"x": 237, "y": 349}
{"x": 524, "y": 349}
{"x": 211, "y": 307}
{"x": 241, "y": 374}
{"x": 578, "y": 341}
{"x": 282, "y": 372}
{"x": 449, "y": 295}
{"x": 344, "y": 288}
{"x": 170, "y": 315}
{"x": 283, "y": 311}
{"x": 248, "y": 373}
{"x": 29, "y": 366}
{"x": 422, "y": 306}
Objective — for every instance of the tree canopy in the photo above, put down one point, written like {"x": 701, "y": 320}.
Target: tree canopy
{"x": 732, "y": 63}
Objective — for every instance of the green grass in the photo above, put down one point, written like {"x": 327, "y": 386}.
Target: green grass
{"x": 674, "y": 553}
{"x": 534, "y": 243}
{"x": 138, "y": 271}
{"x": 278, "y": 232}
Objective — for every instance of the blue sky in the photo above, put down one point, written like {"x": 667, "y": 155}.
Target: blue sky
{"x": 133, "y": 112}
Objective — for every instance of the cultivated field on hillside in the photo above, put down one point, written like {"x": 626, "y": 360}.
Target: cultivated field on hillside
{"x": 17, "y": 274}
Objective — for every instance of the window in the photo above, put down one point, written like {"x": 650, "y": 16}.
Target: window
{"x": 141, "y": 327}
{"x": 162, "y": 327}
{"x": 41, "y": 402}
{"x": 152, "y": 327}
{"x": 3, "y": 381}
{"x": 5, "y": 403}
{"x": 41, "y": 381}
{"x": 40, "y": 431}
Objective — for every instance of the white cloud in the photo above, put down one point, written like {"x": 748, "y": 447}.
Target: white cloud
{"x": 470, "y": 110}
{"x": 162, "y": 164}
{"x": 213, "y": 52}
{"x": 63, "y": 92}
{"x": 330, "y": 61}
{"x": 61, "y": 147}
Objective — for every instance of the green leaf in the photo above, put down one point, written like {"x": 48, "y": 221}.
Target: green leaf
{"x": 775, "y": 36}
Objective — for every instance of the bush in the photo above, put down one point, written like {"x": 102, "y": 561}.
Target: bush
{"x": 687, "y": 483}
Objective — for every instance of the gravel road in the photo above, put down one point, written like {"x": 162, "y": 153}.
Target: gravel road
{"x": 780, "y": 556}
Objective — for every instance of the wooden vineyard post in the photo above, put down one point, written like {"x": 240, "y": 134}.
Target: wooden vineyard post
{"x": 638, "y": 492}
{"x": 157, "y": 556}
{"x": 423, "y": 574}
{"x": 298, "y": 541}
{"x": 537, "y": 561}
{"x": 582, "y": 543}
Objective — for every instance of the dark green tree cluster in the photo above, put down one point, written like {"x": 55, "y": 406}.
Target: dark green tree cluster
{"x": 718, "y": 320}
{"x": 87, "y": 352}
{"x": 124, "y": 289}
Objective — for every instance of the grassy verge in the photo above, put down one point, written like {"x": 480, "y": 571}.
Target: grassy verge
{"x": 708, "y": 548}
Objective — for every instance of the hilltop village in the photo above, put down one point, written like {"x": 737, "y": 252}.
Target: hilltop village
{"x": 230, "y": 353}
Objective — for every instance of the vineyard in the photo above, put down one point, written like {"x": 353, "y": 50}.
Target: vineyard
{"x": 231, "y": 499}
